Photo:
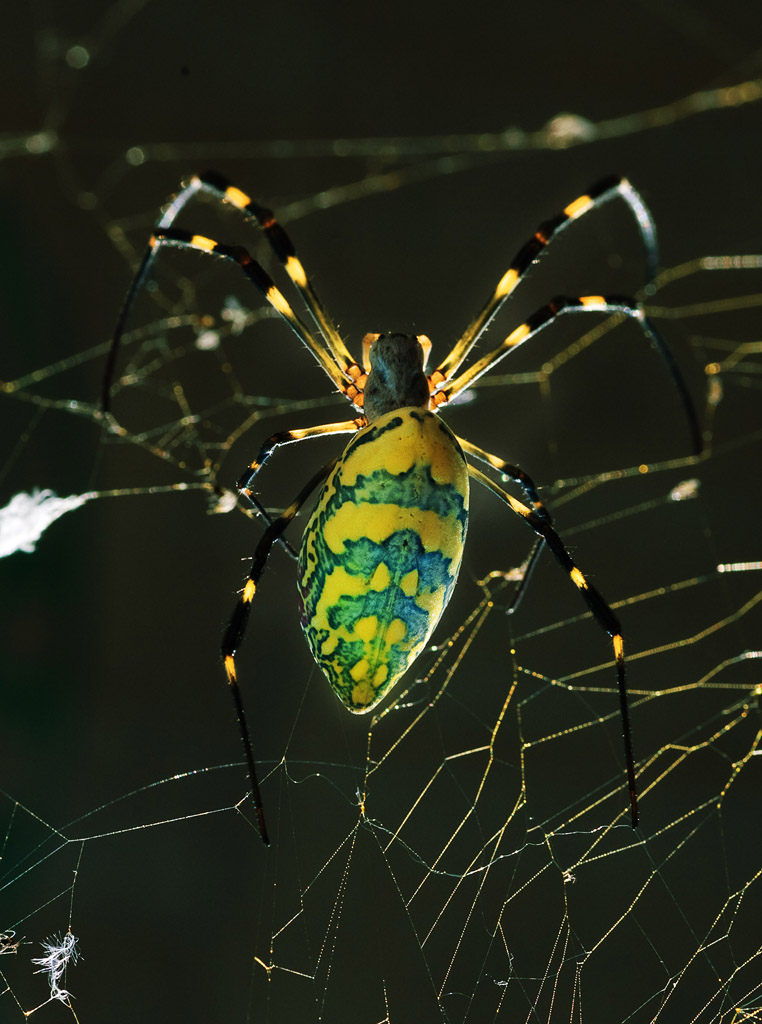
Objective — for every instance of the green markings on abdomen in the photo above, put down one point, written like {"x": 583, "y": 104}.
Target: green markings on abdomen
{"x": 381, "y": 552}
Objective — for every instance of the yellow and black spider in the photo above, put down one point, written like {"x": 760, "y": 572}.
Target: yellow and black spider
{"x": 381, "y": 552}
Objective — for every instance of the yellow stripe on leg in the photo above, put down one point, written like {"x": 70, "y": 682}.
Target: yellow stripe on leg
{"x": 578, "y": 579}
{"x": 295, "y": 271}
{"x": 518, "y": 335}
{"x": 237, "y": 197}
{"x": 278, "y": 301}
{"x": 578, "y": 206}
{"x": 202, "y": 242}
{"x": 230, "y": 668}
{"x": 517, "y": 506}
{"x": 507, "y": 283}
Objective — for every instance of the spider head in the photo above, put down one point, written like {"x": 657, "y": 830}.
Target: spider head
{"x": 396, "y": 379}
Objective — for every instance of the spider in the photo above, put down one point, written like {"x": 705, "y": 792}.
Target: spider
{"x": 381, "y": 551}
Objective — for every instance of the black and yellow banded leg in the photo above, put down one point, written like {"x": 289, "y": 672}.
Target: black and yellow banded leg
{"x": 282, "y": 246}
{"x": 284, "y": 250}
{"x": 600, "y": 193}
{"x": 546, "y": 315}
{"x": 601, "y": 612}
{"x": 510, "y": 471}
{"x": 284, "y": 437}
{"x": 246, "y": 479}
{"x": 177, "y": 238}
{"x": 234, "y": 634}
{"x": 526, "y": 483}
{"x": 256, "y": 506}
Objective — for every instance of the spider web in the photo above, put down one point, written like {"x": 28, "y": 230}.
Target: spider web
{"x": 466, "y": 855}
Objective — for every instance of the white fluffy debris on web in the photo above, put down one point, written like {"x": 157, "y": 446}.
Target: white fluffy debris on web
{"x": 26, "y": 517}
{"x": 225, "y": 501}
{"x": 685, "y": 490}
{"x": 60, "y": 952}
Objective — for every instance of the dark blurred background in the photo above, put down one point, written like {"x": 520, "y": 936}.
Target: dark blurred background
{"x": 110, "y": 673}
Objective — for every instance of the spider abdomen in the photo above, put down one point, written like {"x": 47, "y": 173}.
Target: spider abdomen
{"x": 381, "y": 552}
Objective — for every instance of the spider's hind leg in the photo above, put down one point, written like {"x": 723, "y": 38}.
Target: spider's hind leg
{"x": 601, "y": 612}
{"x": 236, "y": 630}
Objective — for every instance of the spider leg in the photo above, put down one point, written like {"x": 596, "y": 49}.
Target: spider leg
{"x": 526, "y": 483}
{"x": 546, "y": 315}
{"x": 602, "y": 613}
{"x": 137, "y": 283}
{"x": 259, "y": 509}
{"x": 290, "y": 437}
{"x": 518, "y": 476}
{"x": 246, "y": 480}
{"x": 283, "y": 247}
{"x": 178, "y": 239}
{"x": 280, "y": 243}
{"x": 234, "y": 634}
{"x": 173, "y": 209}
{"x": 533, "y": 248}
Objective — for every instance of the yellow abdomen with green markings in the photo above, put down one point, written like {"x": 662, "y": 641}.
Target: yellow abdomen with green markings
{"x": 381, "y": 552}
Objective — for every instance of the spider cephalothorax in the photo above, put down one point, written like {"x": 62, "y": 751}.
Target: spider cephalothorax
{"x": 396, "y": 376}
